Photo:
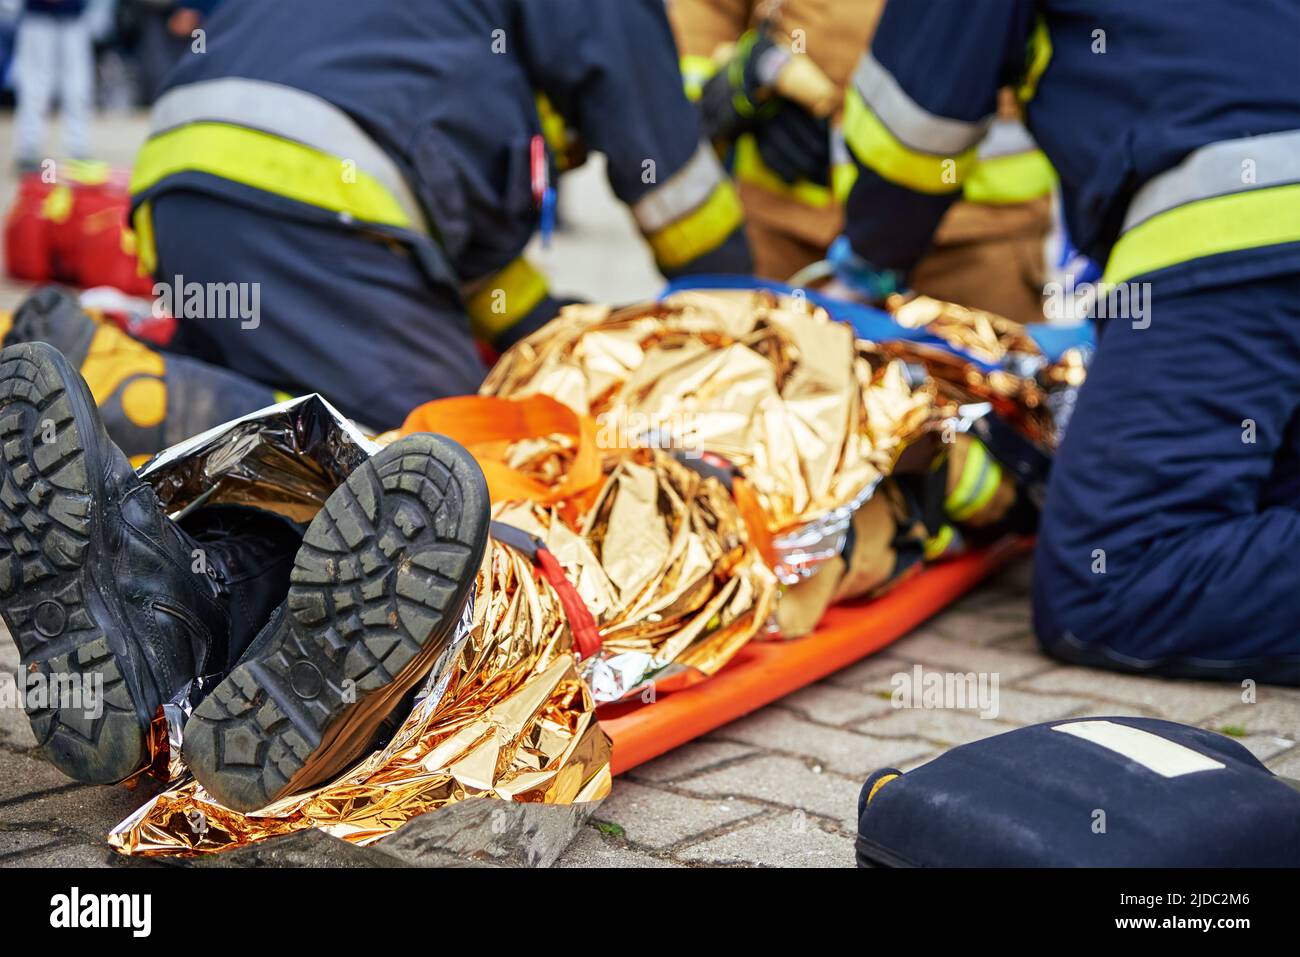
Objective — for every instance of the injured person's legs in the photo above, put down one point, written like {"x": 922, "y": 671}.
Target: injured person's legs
{"x": 115, "y": 608}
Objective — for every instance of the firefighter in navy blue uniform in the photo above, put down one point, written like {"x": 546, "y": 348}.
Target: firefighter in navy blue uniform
{"x": 1170, "y": 536}
{"x": 373, "y": 166}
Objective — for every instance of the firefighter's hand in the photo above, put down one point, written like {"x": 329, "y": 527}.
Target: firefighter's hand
{"x": 735, "y": 98}
{"x": 795, "y": 144}
{"x": 183, "y": 22}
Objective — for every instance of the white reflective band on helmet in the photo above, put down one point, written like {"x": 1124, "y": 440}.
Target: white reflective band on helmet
{"x": 911, "y": 124}
{"x": 1218, "y": 170}
{"x": 684, "y": 191}
{"x": 290, "y": 114}
{"x": 1005, "y": 138}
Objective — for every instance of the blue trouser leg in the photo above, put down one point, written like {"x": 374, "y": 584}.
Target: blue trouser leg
{"x": 339, "y": 313}
{"x": 1170, "y": 539}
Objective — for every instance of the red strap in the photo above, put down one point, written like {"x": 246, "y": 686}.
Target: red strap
{"x": 585, "y": 633}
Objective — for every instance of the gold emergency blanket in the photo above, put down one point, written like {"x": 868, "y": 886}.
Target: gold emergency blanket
{"x": 770, "y": 384}
{"x": 654, "y": 544}
{"x": 507, "y": 715}
{"x": 662, "y": 563}
{"x": 1021, "y": 382}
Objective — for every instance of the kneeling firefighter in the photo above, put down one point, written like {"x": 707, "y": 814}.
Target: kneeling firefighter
{"x": 748, "y": 65}
{"x": 376, "y": 170}
{"x": 1172, "y": 520}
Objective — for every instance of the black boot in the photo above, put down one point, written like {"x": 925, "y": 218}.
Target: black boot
{"x": 113, "y": 606}
{"x": 376, "y": 592}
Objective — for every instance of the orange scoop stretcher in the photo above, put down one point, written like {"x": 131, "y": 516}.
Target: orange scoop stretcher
{"x": 764, "y": 671}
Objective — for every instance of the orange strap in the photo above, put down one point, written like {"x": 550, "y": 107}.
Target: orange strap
{"x": 487, "y": 425}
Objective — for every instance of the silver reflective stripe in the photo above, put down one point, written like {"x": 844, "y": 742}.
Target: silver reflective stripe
{"x": 291, "y": 114}
{"x": 840, "y": 155}
{"x": 1218, "y": 169}
{"x": 684, "y": 191}
{"x": 912, "y": 125}
{"x": 1006, "y": 138}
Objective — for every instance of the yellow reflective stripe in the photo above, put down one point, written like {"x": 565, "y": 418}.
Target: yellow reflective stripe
{"x": 749, "y": 166}
{"x": 1038, "y": 56}
{"x": 700, "y": 231}
{"x": 1016, "y": 178}
{"x": 843, "y": 176}
{"x": 979, "y": 481}
{"x": 504, "y": 298}
{"x": 57, "y": 205}
{"x": 940, "y": 543}
{"x": 146, "y": 250}
{"x": 696, "y": 71}
{"x": 1207, "y": 227}
{"x": 879, "y": 150}
{"x": 554, "y": 131}
{"x": 269, "y": 163}
{"x": 88, "y": 172}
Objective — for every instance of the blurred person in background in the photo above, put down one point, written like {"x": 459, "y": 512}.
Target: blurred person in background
{"x": 53, "y": 60}
{"x": 793, "y": 172}
{"x": 157, "y": 34}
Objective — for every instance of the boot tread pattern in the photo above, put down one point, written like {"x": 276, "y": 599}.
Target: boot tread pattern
{"x": 45, "y": 533}
{"x": 378, "y": 584}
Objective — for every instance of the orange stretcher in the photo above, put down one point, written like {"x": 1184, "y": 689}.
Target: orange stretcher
{"x": 764, "y": 671}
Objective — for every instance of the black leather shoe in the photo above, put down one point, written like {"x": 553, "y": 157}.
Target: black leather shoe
{"x": 113, "y": 606}
{"x": 375, "y": 596}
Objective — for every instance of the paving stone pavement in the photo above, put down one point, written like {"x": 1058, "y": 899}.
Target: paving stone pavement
{"x": 776, "y": 788}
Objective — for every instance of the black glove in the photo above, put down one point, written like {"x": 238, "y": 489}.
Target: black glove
{"x": 795, "y": 144}
{"x": 733, "y": 99}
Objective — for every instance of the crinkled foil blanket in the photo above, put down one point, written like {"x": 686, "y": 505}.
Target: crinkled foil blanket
{"x": 770, "y": 386}
{"x": 503, "y": 714}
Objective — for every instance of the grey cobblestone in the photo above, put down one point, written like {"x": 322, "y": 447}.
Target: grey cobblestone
{"x": 847, "y": 752}
{"x": 1286, "y": 764}
{"x": 986, "y": 625}
{"x": 24, "y": 776}
{"x": 1266, "y": 746}
{"x": 787, "y": 840}
{"x": 656, "y": 818}
{"x": 870, "y": 674}
{"x": 16, "y": 730}
{"x": 1192, "y": 702}
{"x": 18, "y": 847}
{"x": 591, "y": 848}
{"x": 937, "y": 725}
{"x": 688, "y": 759}
{"x": 1275, "y": 710}
{"x": 961, "y": 656}
{"x": 784, "y": 781}
{"x": 826, "y": 703}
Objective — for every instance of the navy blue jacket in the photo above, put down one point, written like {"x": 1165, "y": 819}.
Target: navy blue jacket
{"x": 56, "y": 8}
{"x": 448, "y": 89}
{"x": 1129, "y": 91}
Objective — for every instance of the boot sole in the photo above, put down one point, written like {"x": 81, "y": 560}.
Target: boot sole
{"x": 377, "y": 589}
{"x": 49, "y": 594}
